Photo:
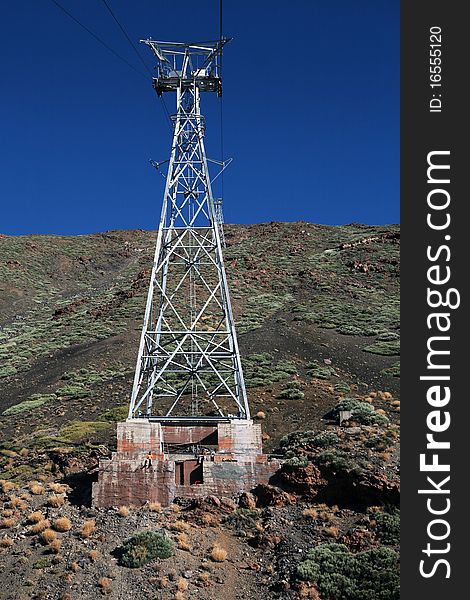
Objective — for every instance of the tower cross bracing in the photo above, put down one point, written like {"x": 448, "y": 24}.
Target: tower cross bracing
{"x": 188, "y": 362}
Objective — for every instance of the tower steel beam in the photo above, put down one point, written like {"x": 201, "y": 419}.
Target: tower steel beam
{"x": 188, "y": 362}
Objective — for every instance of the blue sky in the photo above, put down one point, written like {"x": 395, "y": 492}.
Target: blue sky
{"x": 311, "y": 112}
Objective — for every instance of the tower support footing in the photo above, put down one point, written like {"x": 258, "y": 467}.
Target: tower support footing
{"x": 189, "y": 460}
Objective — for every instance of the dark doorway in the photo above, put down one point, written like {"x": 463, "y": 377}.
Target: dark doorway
{"x": 196, "y": 475}
{"x": 179, "y": 473}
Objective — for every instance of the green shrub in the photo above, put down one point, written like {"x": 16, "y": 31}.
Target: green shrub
{"x": 308, "y": 439}
{"x": 293, "y": 385}
{"x": 144, "y": 547}
{"x": 262, "y": 369}
{"x": 243, "y": 520}
{"x": 79, "y": 430}
{"x": 391, "y": 348}
{"x": 342, "y": 575}
{"x": 296, "y": 462}
{"x": 388, "y": 336}
{"x": 42, "y": 563}
{"x": 354, "y": 330}
{"x": 32, "y": 402}
{"x": 388, "y": 527}
{"x": 73, "y": 391}
{"x": 338, "y": 462}
{"x": 291, "y": 394}
{"x": 394, "y": 370}
{"x": 119, "y": 413}
{"x": 342, "y": 387}
{"x": 320, "y": 372}
{"x": 7, "y": 371}
{"x": 362, "y": 412}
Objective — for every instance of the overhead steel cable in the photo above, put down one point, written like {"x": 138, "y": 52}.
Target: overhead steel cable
{"x": 98, "y": 39}
{"x": 126, "y": 35}
{"x": 136, "y": 50}
{"x": 116, "y": 54}
{"x": 221, "y": 100}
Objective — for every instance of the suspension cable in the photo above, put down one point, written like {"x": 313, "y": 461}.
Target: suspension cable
{"x": 136, "y": 50}
{"x": 221, "y": 98}
{"x": 126, "y": 35}
{"x": 98, "y": 39}
{"x": 116, "y": 54}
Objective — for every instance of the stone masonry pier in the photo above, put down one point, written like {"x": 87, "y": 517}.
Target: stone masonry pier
{"x": 188, "y": 460}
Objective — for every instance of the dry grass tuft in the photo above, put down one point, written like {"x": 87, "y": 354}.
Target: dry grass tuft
{"x": 7, "y": 486}
{"x": 39, "y": 526}
{"x": 180, "y": 526}
{"x": 182, "y": 585}
{"x": 93, "y": 555}
{"x": 55, "y": 501}
{"x": 36, "y": 488}
{"x": 88, "y": 528}
{"x": 183, "y": 542}
{"x": 204, "y": 577}
{"x": 218, "y": 554}
{"x": 55, "y": 545}
{"x": 6, "y": 542}
{"x": 310, "y": 512}
{"x": 105, "y": 585}
{"x": 35, "y": 517}
{"x": 9, "y": 464}
{"x": 175, "y": 508}
{"x": 209, "y": 520}
{"x": 48, "y": 536}
{"x": 306, "y": 592}
{"x": 331, "y": 531}
{"x": 8, "y": 512}
{"x": 74, "y": 566}
{"x": 57, "y": 488}
{"x": 260, "y": 415}
{"x": 62, "y": 524}
{"x": 163, "y": 582}
{"x": 24, "y": 452}
{"x": 16, "y": 502}
{"x": 7, "y": 522}
{"x": 123, "y": 511}
{"x": 155, "y": 507}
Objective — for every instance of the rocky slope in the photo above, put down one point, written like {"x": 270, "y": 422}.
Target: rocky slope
{"x": 317, "y": 311}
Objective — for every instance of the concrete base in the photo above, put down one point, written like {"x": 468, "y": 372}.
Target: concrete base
{"x": 234, "y": 464}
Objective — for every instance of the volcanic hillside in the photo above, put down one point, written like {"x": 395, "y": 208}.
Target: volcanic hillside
{"x": 317, "y": 314}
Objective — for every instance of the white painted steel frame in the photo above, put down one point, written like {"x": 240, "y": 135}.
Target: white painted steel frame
{"x": 188, "y": 333}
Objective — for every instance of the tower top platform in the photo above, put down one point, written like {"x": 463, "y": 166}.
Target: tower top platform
{"x": 181, "y": 65}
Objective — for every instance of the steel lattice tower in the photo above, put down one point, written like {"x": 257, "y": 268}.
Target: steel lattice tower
{"x": 188, "y": 362}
